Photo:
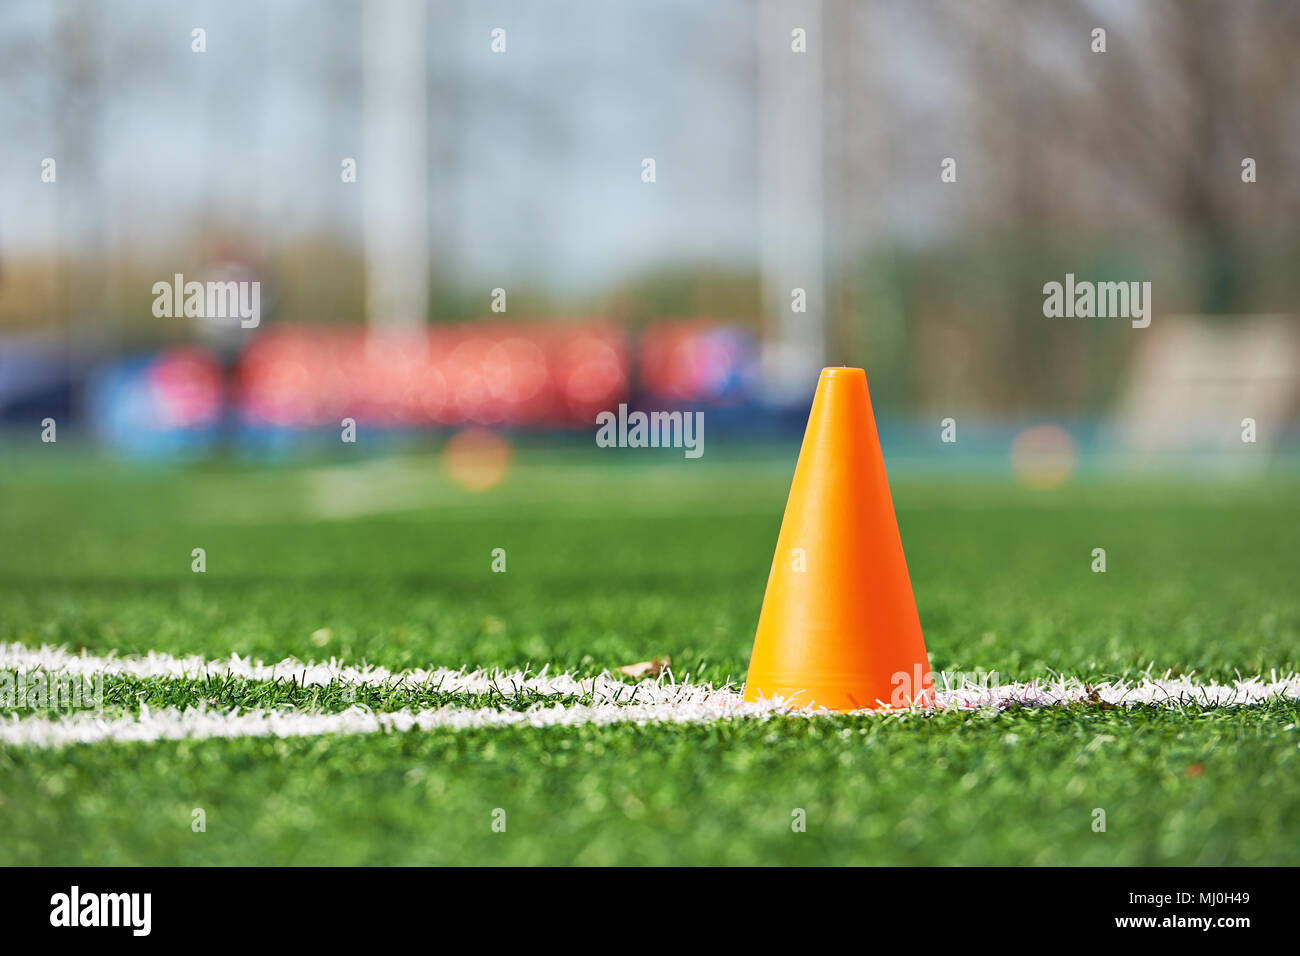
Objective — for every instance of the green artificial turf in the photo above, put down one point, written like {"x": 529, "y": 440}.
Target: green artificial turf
{"x": 1018, "y": 787}
{"x": 612, "y": 561}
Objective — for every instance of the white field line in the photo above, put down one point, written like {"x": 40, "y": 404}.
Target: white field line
{"x": 654, "y": 701}
{"x": 603, "y": 688}
{"x": 198, "y": 724}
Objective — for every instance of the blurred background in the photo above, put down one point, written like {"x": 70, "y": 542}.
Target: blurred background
{"x": 448, "y": 210}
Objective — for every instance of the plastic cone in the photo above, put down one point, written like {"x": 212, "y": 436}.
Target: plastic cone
{"x": 839, "y": 627}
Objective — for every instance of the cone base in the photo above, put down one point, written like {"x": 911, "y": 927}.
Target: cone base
{"x": 819, "y": 695}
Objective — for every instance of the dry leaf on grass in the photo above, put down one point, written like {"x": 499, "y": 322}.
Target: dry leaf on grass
{"x": 651, "y": 668}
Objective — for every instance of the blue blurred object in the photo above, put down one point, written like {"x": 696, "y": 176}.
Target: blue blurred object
{"x": 163, "y": 406}
{"x": 698, "y": 362}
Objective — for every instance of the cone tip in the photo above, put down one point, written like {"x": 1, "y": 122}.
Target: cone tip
{"x": 843, "y": 372}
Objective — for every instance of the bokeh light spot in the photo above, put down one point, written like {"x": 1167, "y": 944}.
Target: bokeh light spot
{"x": 477, "y": 459}
{"x": 1044, "y": 456}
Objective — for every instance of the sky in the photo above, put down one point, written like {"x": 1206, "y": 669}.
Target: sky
{"x": 534, "y": 155}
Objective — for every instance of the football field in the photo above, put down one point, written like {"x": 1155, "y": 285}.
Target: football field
{"x": 376, "y": 665}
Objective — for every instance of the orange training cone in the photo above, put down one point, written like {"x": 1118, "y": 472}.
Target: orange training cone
{"x": 839, "y": 627}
